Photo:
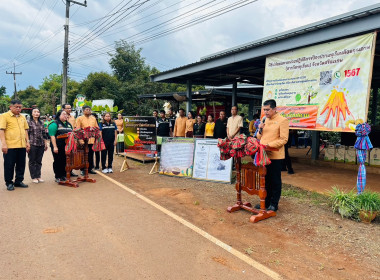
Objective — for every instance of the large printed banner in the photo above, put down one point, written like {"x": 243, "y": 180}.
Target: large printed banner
{"x": 140, "y": 134}
{"x": 323, "y": 87}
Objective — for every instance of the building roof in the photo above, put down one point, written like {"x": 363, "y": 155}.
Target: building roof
{"x": 247, "y": 62}
{"x": 207, "y": 96}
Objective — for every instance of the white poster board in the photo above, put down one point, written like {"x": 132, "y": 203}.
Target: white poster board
{"x": 207, "y": 163}
{"x": 177, "y": 156}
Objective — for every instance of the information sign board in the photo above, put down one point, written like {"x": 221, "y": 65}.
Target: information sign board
{"x": 207, "y": 163}
{"x": 140, "y": 134}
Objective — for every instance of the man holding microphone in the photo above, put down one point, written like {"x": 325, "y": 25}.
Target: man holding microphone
{"x": 273, "y": 133}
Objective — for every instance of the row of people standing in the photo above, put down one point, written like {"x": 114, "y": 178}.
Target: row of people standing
{"x": 20, "y": 137}
{"x": 190, "y": 126}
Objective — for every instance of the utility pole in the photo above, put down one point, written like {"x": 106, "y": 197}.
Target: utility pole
{"x": 66, "y": 48}
{"x": 14, "y": 78}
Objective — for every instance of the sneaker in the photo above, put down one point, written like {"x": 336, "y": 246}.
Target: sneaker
{"x": 110, "y": 170}
{"x": 35, "y": 181}
{"x": 82, "y": 173}
{"x": 57, "y": 180}
{"x": 63, "y": 179}
{"x": 40, "y": 180}
{"x": 105, "y": 171}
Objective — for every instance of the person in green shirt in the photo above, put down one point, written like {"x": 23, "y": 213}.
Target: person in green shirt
{"x": 59, "y": 127}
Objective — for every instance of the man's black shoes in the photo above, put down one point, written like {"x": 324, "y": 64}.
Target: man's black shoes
{"x": 10, "y": 187}
{"x": 272, "y": 208}
{"x": 92, "y": 172}
{"x": 21, "y": 185}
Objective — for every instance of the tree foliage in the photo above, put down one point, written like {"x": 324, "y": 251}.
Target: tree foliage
{"x": 129, "y": 79}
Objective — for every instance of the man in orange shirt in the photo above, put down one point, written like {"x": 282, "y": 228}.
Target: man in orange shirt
{"x": 273, "y": 132}
{"x": 88, "y": 120}
{"x": 180, "y": 124}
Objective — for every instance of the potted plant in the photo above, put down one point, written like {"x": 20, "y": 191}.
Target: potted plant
{"x": 344, "y": 203}
{"x": 368, "y": 204}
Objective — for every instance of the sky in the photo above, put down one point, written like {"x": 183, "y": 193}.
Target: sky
{"x": 170, "y": 32}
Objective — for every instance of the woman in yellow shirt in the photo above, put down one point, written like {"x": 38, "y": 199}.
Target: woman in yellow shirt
{"x": 189, "y": 130}
{"x": 210, "y": 125}
{"x": 119, "y": 123}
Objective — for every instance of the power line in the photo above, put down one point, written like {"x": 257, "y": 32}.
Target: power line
{"x": 145, "y": 22}
{"x": 95, "y": 26}
{"x": 185, "y": 14}
{"x": 111, "y": 24}
{"x": 177, "y": 28}
{"x": 30, "y": 26}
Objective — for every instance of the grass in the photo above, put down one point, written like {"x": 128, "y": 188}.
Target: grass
{"x": 304, "y": 195}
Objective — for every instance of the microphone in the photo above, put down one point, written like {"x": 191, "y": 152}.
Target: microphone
{"x": 261, "y": 129}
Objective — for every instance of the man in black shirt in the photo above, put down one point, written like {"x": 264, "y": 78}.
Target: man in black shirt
{"x": 171, "y": 118}
{"x": 220, "y": 130}
{"x": 164, "y": 127}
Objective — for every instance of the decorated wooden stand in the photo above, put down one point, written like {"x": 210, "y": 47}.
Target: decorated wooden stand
{"x": 251, "y": 179}
{"x": 77, "y": 161}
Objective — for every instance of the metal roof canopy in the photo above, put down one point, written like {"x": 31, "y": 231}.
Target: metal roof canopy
{"x": 207, "y": 96}
{"x": 247, "y": 62}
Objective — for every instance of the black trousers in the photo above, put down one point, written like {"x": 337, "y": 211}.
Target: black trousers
{"x": 97, "y": 159}
{"x": 35, "y": 160}
{"x": 109, "y": 150}
{"x": 273, "y": 183}
{"x": 287, "y": 162}
{"x": 90, "y": 157}
{"x": 59, "y": 164}
{"x": 14, "y": 158}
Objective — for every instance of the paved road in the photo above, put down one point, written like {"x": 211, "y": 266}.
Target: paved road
{"x": 100, "y": 231}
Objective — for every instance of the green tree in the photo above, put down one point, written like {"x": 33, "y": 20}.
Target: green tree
{"x": 127, "y": 63}
{"x": 29, "y": 96}
{"x": 5, "y": 101}
{"x": 50, "y": 90}
{"x": 3, "y": 91}
{"x": 100, "y": 85}
{"x": 133, "y": 73}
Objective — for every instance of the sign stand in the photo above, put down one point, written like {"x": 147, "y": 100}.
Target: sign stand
{"x": 154, "y": 169}
{"x": 125, "y": 165}
{"x": 251, "y": 179}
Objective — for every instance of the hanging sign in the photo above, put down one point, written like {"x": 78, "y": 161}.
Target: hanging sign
{"x": 323, "y": 87}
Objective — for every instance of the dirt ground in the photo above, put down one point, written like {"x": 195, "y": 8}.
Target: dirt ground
{"x": 304, "y": 240}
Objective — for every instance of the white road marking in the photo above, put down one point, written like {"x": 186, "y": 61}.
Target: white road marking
{"x": 236, "y": 253}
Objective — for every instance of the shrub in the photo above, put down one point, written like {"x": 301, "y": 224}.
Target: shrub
{"x": 368, "y": 201}
{"x": 344, "y": 203}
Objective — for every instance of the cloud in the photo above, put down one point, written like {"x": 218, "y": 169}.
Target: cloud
{"x": 252, "y": 22}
